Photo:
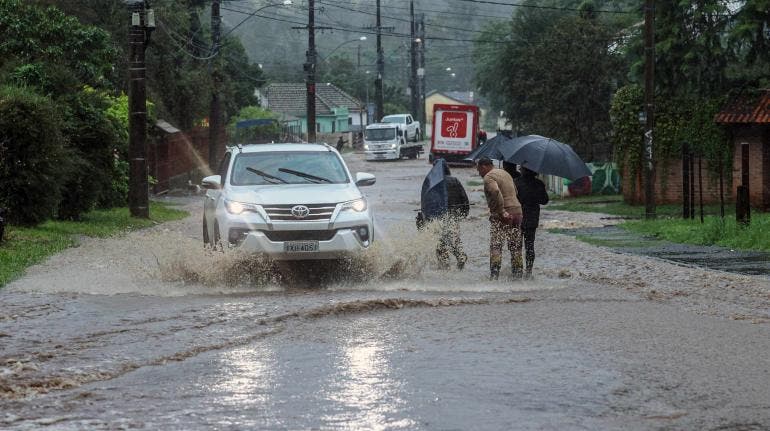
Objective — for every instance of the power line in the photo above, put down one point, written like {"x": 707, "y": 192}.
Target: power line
{"x": 400, "y": 19}
{"x": 365, "y": 31}
{"x": 450, "y": 14}
{"x": 554, "y": 8}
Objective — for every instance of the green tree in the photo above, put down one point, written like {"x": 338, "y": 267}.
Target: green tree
{"x": 556, "y": 74}
{"x": 52, "y": 51}
{"x": 690, "y": 53}
{"x": 178, "y": 57}
{"x": 750, "y": 43}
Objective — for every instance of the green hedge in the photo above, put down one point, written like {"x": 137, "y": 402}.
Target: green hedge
{"x": 34, "y": 160}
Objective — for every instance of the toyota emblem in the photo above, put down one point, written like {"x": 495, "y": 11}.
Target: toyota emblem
{"x": 300, "y": 211}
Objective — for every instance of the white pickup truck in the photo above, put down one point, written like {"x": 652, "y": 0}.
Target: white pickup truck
{"x": 405, "y": 121}
{"x": 387, "y": 141}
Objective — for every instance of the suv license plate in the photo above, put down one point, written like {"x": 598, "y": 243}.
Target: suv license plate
{"x": 300, "y": 246}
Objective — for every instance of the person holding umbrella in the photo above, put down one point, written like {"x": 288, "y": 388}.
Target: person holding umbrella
{"x": 443, "y": 199}
{"x": 504, "y": 217}
{"x": 531, "y": 194}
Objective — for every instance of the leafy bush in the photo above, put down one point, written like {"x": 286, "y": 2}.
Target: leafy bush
{"x": 33, "y": 157}
{"x": 93, "y": 139}
{"x": 117, "y": 112}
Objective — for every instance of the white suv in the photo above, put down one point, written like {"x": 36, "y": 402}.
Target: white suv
{"x": 289, "y": 201}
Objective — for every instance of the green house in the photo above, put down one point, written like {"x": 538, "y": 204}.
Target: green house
{"x": 336, "y": 111}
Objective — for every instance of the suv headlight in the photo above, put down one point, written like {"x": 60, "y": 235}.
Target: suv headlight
{"x": 234, "y": 207}
{"x": 358, "y": 205}
{"x": 393, "y": 146}
{"x": 366, "y": 146}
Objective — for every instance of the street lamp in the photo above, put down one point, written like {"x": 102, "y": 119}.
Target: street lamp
{"x": 360, "y": 39}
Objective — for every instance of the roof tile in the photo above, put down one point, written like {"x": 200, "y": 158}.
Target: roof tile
{"x": 746, "y": 109}
{"x": 291, "y": 98}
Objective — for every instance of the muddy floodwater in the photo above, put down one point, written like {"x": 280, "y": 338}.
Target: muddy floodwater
{"x": 150, "y": 331}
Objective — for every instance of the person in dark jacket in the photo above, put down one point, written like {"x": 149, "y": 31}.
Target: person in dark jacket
{"x": 340, "y": 143}
{"x": 457, "y": 207}
{"x": 532, "y": 194}
{"x": 511, "y": 169}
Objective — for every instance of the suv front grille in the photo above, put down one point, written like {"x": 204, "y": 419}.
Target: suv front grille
{"x": 322, "y": 212}
{"x": 299, "y": 235}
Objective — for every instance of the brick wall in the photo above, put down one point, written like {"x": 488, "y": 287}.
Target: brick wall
{"x": 174, "y": 159}
{"x": 668, "y": 185}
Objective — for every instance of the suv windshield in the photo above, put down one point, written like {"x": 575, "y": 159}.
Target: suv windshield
{"x": 394, "y": 119}
{"x": 380, "y": 134}
{"x": 287, "y": 167}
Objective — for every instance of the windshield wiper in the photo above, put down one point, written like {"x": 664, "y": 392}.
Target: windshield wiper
{"x": 305, "y": 176}
{"x": 265, "y": 175}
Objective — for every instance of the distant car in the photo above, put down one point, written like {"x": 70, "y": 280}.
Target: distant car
{"x": 405, "y": 122}
{"x": 288, "y": 201}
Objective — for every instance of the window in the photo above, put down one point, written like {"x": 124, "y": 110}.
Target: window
{"x": 380, "y": 134}
{"x": 274, "y": 166}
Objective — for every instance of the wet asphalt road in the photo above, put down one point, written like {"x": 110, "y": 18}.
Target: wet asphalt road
{"x": 149, "y": 332}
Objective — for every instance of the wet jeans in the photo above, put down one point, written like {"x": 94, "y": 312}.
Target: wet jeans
{"x": 500, "y": 234}
{"x": 450, "y": 242}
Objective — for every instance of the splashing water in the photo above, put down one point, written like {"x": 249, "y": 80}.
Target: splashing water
{"x": 169, "y": 262}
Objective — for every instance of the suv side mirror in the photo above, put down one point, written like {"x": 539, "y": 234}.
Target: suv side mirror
{"x": 212, "y": 182}
{"x": 365, "y": 179}
{"x": 400, "y": 132}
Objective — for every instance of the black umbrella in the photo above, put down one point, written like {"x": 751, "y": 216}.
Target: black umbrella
{"x": 490, "y": 149}
{"x": 546, "y": 156}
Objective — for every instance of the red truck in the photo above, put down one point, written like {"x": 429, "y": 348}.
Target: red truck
{"x": 455, "y": 132}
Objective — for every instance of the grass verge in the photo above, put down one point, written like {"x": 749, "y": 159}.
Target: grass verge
{"x": 669, "y": 225}
{"x": 614, "y": 205}
{"x": 713, "y": 231}
{"x": 24, "y": 246}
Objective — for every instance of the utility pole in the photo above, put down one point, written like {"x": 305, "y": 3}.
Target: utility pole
{"x": 379, "y": 108}
{"x": 142, "y": 24}
{"x": 310, "y": 70}
{"x": 309, "y": 67}
{"x": 413, "y": 94}
{"x": 421, "y": 75}
{"x": 215, "y": 107}
{"x": 361, "y": 112}
{"x": 649, "y": 108}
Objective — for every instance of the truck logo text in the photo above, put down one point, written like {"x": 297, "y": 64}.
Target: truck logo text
{"x": 454, "y": 124}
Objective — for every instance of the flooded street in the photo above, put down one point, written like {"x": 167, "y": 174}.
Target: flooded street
{"x": 150, "y": 331}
